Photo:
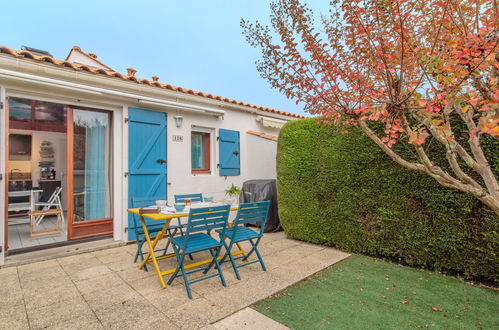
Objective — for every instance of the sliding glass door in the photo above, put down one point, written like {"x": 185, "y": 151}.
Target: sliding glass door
{"x": 89, "y": 152}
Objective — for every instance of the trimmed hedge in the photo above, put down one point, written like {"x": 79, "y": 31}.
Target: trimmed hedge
{"x": 342, "y": 190}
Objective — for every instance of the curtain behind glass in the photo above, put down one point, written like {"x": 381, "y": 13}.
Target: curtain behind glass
{"x": 96, "y": 188}
{"x": 197, "y": 150}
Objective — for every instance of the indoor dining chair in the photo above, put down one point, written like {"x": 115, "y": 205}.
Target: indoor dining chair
{"x": 153, "y": 226}
{"x": 248, "y": 213}
{"x": 194, "y": 241}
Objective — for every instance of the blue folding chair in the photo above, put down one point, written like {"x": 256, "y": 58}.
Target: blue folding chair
{"x": 193, "y": 197}
{"x": 200, "y": 219}
{"x": 152, "y": 226}
{"x": 247, "y": 213}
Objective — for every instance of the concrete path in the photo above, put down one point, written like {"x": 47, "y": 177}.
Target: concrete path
{"x": 105, "y": 289}
{"x": 246, "y": 319}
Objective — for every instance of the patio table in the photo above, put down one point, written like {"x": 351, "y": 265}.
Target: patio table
{"x": 152, "y": 258}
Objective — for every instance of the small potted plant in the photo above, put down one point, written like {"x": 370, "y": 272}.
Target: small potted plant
{"x": 233, "y": 193}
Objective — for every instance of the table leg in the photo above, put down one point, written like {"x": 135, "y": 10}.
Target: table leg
{"x": 158, "y": 237}
{"x": 152, "y": 246}
{"x": 241, "y": 251}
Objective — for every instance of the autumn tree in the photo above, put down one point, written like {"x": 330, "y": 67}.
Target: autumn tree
{"x": 422, "y": 69}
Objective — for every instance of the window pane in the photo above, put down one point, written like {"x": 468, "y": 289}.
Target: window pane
{"x": 19, "y": 109}
{"x": 49, "y": 113}
{"x": 92, "y": 165}
{"x": 197, "y": 150}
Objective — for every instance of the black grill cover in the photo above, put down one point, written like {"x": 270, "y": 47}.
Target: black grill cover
{"x": 263, "y": 190}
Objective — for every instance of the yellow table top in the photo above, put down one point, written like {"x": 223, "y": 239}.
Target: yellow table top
{"x": 162, "y": 216}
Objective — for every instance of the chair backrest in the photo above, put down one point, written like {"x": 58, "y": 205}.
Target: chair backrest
{"x": 55, "y": 195}
{"x": 253, "y": 212}
{"x": 143, "y": 202}
{"x": 207, "y": 218}
{"x": 194, "y": 197}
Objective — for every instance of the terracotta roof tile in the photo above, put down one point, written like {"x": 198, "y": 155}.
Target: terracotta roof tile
{"x": 131, "y": 72}
{"x": 154, "y": 83}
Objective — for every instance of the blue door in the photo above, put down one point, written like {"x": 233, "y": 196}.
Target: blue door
{"x": 146, "y": 157}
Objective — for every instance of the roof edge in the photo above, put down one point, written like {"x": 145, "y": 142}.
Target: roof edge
{"x": 114, "y": 74}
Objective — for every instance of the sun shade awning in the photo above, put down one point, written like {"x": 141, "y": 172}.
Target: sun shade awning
{"x": 270, "y": 122}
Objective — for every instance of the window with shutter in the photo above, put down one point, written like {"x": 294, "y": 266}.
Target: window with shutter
{"x": 229, "y": 146}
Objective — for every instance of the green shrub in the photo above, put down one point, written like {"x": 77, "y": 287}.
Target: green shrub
{"x": 342, "y": 190}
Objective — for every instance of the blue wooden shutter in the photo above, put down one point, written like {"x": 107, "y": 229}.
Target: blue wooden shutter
{"x": 230, "y": 158}
{"x": 146, "y": 152}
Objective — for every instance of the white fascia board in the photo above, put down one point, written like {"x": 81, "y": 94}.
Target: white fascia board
{"x": 30, "y": 78}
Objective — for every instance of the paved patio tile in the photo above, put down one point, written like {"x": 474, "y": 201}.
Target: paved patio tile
{"x": 13, "y": 317}
{"x": 102, "y": 299}
{"x": 135, "y": 273}
{"x": 213, "y": 285}
{"x": 10, "y": 291}
{"x": 105, "y": 289}
{"x": 78, "y": 323}
{"x": 101, "y": 283}
{"x": 39, "y": 298}
{"x": 247, "y": 319}
{"x": 45, "y": 282}
{"x": 75, "y": 259}
{"x": 88, "y": 268}
{"x": 47, "y": 271}
{"x": 57, "y": 313}
{"x": 42, "y": 266}
{"x": 135, "y": 313}
{"x": 9, "y": 271}
{"x": 170, "y": 298}
{"x": 193, "y": 314}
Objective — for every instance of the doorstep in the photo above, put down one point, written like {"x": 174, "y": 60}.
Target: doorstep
{"x": 60, "y": 251}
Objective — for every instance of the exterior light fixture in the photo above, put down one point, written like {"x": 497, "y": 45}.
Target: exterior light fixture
{"x": 178, "y": 121}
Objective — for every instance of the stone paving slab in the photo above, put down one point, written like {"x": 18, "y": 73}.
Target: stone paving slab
{"x": 106, "y": 290}
{"x": 246, "y": 319}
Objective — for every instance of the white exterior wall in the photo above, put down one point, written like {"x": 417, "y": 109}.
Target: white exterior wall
{"x": 262, "y": 156}
{"x": 257, "y": 161}
{"x": 3, "y": 161}
{"x": 257, "y": 154}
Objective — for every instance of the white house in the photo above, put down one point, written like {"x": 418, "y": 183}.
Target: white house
{"x": 105, "y": 137}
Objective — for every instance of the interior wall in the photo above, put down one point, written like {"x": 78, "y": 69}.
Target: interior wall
{"x": 59, "y": 141}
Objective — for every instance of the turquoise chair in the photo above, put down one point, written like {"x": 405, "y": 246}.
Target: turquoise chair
{"x": 194, "y": 241}
{"x": 248, "y": 213}
{"x": 152, "y": 226}
{"x": 195, "y": 198}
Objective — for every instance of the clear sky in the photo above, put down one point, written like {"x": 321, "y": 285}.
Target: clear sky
{"x": 195, "y": 44}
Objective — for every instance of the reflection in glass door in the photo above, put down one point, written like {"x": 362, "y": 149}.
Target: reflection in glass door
{"x": 90, "y": 155}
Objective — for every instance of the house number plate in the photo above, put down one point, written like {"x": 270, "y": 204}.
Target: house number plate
{"x": 178, "y": 138}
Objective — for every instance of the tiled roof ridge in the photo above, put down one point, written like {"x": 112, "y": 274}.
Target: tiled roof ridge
{"x": 78, "y": 49}
{"x": 81, "y": 67}
{"x": 262, "y": 135}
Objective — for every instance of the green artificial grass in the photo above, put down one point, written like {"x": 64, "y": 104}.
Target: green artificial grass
{"x": 367, "y": 293}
